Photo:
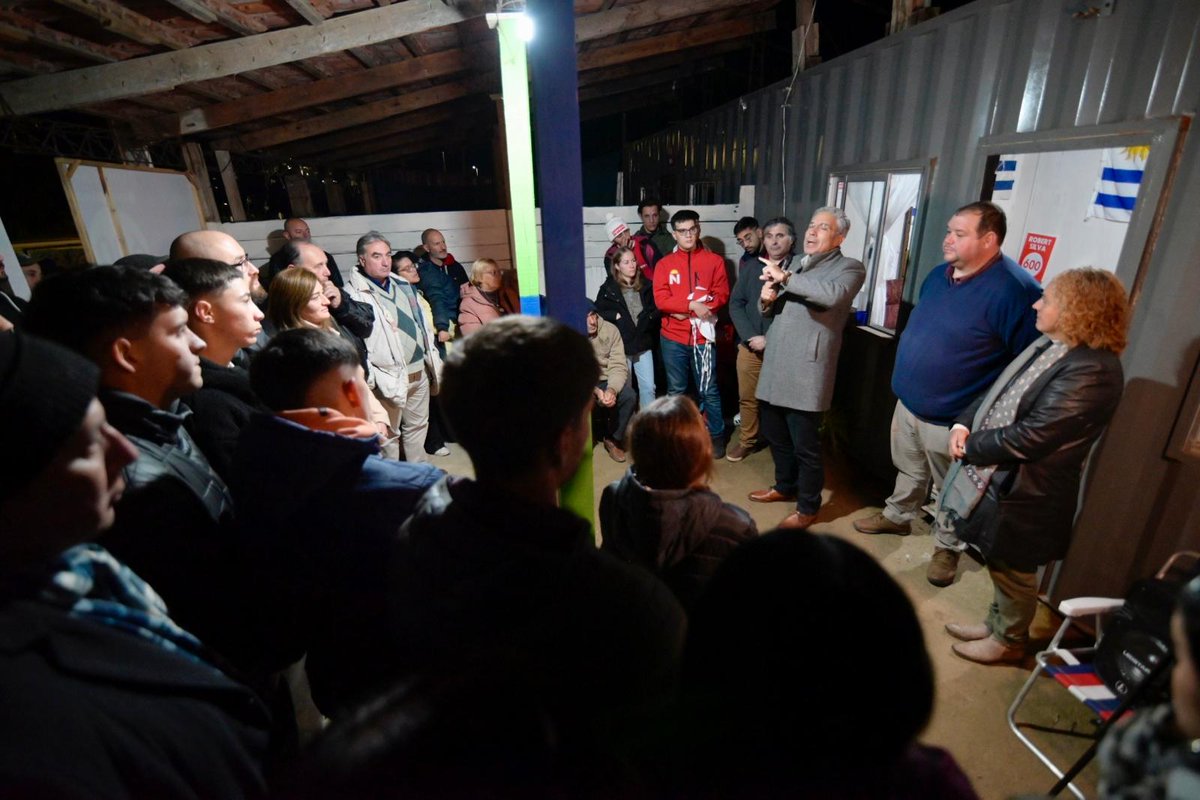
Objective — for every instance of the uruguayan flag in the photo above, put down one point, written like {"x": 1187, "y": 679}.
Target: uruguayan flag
{"x": 1120, "y": 176}
{"x": 1006, "y": 177}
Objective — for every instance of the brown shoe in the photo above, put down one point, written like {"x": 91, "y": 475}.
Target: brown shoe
{"x": 878, "y": 523}
{"x": 989, "y": 651}
{"x": 942, "y": 567}
{"x": 968, "y": 633}
{"x": 797, "y": 521}
{"x": 738, "y": 452}
{"x": 771, "y": 496}
{"x": 614, "y": 451}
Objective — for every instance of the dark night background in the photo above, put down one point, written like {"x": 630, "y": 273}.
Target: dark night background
{"x": 35, "y": 208}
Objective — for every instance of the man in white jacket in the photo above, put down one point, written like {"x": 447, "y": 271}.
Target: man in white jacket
{"x": 399, "y": 347}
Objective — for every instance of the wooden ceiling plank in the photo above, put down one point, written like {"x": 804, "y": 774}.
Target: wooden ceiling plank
{"x": 22, "y": 29}
{"x": 348, "y": 118}
{"x": 639, "y": 15}
{"x": 376, "y": 130}
{"x": 130, "y": 24}
{"x": 167, "y": 70}
{"x": 306, "y": 11}
{"x": 635, "y": 69}
{"x": 327, "y": 90}
{"x": 222, "y": 13}
{"x": 365, "y": 57}
{"x": 681, "y": 40}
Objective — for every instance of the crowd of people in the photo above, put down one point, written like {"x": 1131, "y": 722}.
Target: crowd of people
{"x": 222, "y": 482}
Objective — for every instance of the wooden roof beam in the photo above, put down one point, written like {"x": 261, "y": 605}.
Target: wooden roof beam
{"x": 379, "y": 130}
{"x": 680, "y": 40}
{"x": 130, "y": 24}
{"x": 221, "y": 12}
{"x": 22, "y": 29}
{"x": 306, "y": 11}
{"x": 327, "y": 90}
{"x": 165, "y": 71}
{"x": 590, "y": 27}
{"x": 347, "y": 118}
{"x": 636, "y": 69}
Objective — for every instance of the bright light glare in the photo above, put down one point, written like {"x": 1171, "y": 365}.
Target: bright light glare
{"x": 525, "y": 26}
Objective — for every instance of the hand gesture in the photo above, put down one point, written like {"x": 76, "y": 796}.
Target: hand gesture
{"x": 958, "y": 442}
{"x": 333, "y": 293}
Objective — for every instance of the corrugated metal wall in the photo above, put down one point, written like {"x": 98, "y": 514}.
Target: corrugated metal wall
{"x": 1001, "y": 67}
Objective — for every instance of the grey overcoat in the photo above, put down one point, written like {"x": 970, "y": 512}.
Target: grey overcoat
{"x": 803, "y": 342}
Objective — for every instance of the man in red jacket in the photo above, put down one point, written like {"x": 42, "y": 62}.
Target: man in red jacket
{"x": 690, "y": 286}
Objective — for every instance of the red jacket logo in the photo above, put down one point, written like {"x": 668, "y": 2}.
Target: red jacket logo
{"x": 674, "y": 278}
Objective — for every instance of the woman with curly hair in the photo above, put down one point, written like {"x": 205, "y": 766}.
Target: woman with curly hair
{"x": 1019, "y": 452}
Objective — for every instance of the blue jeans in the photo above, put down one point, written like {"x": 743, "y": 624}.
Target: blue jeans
{"x": 642, "y": 366}
{"x": 680, "y": 360}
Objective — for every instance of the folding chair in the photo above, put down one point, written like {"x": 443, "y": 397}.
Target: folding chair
{"x": 1074, "y": 669}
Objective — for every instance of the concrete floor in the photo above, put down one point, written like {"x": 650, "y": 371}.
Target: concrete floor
{"x": 969, "y": 718}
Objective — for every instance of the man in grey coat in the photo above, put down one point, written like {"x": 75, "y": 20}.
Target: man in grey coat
{"x": 809, "y": 299}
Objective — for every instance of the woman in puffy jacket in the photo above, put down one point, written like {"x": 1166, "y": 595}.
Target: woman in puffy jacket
{"x": 626, "y": 299}
{"x": 661, "y": 515}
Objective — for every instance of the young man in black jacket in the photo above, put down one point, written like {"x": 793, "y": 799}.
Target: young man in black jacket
{"x": 221, "y": 311}
{"x": 493, "y": 570}
{"x": 174, "y": 525}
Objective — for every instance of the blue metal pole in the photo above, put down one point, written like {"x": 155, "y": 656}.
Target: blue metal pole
{"x": 553, "y": 70}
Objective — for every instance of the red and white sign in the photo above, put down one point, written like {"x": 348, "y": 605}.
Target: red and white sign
{"x": 1035, "y": 255}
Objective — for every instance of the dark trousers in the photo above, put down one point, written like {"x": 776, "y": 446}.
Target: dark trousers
{"x": 795, "y": 440}
{"x": 436, "y": 435}
{"x": 616, "y": 419}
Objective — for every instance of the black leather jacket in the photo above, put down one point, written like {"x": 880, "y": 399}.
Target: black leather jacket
{"x": 1027, "y": 515}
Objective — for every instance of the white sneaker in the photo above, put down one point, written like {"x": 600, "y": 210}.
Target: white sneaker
{"x": 442, "y": 451}
{"x": 737, "y": 419}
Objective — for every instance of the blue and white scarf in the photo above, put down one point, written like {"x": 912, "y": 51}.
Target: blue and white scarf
{"x": 91, "y": 583}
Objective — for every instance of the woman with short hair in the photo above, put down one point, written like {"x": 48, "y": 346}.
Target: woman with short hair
{"x": 481, "y": 299}
{"x": 662, "y": 515}
{"x": 1021, "y": 447}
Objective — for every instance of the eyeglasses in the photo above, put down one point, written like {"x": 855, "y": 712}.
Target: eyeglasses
{"x": 241, "y": 262}
{"x": 692, "y": 231}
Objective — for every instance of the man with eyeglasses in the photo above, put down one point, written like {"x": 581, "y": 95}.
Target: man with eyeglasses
{"x": 809, "y": 300}
{"x": 219, "y": 246}
{"x": 690, "y": 287}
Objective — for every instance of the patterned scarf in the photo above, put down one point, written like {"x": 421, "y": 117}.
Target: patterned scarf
{"x": 90, "y": 583}
{"x": 965, "y": 484}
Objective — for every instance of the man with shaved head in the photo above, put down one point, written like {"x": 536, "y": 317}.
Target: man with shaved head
{"x": 442, "y": 278}
{"x": 219, "y": 246}
{"x": 296, "y": 230}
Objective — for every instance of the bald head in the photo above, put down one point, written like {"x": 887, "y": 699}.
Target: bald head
{"x": 313, "y": 259}
{"x": 218, "y": 246}
{"x": 296, "y": 230}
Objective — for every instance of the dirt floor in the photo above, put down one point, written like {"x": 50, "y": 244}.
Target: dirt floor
{"x": 970, "y": 718}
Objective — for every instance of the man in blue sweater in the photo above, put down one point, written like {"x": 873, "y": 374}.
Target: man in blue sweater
{"x": 973, "y": 316}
